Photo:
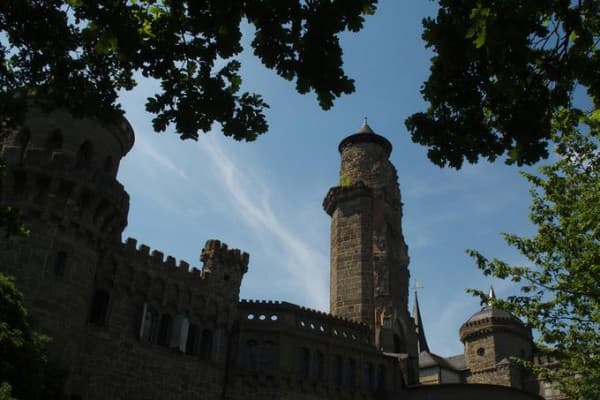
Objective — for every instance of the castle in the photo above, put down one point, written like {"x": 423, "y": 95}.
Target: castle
{"x": 129, "y": 323}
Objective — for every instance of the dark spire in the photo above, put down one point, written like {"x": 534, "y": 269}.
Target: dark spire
{"x": 422, "y": 342}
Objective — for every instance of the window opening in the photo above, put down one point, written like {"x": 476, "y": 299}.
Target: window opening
{"x": 206, "y": 345}
{"x": 60, "y": 263}
{"x": 99, "y": 307}
{"x": 164, "y": 330}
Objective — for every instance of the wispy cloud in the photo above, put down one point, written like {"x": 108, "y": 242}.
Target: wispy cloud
{"x": 149, "y": 151}
{"x": 250, "y": 197}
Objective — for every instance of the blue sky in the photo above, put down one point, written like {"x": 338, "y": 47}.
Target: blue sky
{"x": 265, "y": 197}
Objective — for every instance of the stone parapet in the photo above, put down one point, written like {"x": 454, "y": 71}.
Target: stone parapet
{"x": 338, "y": 194}
{"x": 481, "y": 327}
{"x": 284, "y": 315}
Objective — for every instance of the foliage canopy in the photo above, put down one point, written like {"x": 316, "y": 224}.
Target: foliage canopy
{"x": 560, "y": 294}
{"x": 22, "y": 357}
{"x": 501, "y": 71}
{"x": 79, "y": 54}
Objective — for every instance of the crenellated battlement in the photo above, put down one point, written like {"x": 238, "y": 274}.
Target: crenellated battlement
{"x": 133, "y": 268}
{"x": 217, "y": 253}
{"x": 156, "y": 260}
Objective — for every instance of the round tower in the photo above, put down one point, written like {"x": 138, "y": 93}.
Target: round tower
{"x": 61, "y": 176}
{"x": 369, "y": 258}
{"x": 491, "y": 337}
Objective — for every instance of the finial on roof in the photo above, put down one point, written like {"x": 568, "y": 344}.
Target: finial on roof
{"x": 365, "y": 128}
{"x": 491, "y": 295}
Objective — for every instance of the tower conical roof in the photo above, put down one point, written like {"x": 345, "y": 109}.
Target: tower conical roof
{"x": 365, "y": 128}
{"x": 366, "y": 134}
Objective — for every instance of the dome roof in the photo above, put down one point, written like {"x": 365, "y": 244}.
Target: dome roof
{"x": 488, "y": 312}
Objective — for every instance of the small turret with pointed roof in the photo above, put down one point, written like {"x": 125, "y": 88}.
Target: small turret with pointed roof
{"x": 492, "y": 334}
{"x": 365, "y": 134}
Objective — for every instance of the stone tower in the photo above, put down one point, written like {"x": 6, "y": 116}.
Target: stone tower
{"x": 369, "y": 258}
{"x": 61, "y": 176}
{"x": 491, "y": 337}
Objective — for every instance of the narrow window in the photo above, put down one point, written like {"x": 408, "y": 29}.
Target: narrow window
{"x": 99, "y": 307}
{"x": 191, "y": 346}
{"x": 206, "y": 345}
{"x": 369, "y": 376}
{"x": 60, "y": 263}
{"x": 337, "y": 374}
{"x": 149, "y": 324}
{"x": 179, "y": 333}
{"x": 251, "y": 361}
{"x": 396, "y": 344}
{"x": 319, "y": 366}
{"x": 55, "y": 141}
{"x": 304, "y": 362}
{"x": 381, "y": 385}
{"x": 164, "y": 330}
{"x": 84, "y": 155}
{"x": 23, "y": 141}
{"x": 351, "y": 373}
{"x": 267, "y": 356}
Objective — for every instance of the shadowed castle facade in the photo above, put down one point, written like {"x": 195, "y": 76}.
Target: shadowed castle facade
{"x": 129, "y": 323}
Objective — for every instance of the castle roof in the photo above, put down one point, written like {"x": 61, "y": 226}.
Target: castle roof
{"x": 365, "y": 128}
{"x": 489, "y": 311}
{"x": 366, "y": 135}
{"x": 491, "y": 318}
{"x": 492, "y": 312}
{"x": 428, "y": 360}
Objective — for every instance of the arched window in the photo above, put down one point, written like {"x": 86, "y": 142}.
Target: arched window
{"x": 149, "y": 324}
{"x": 84, "y": 155}
{"x": 251, "y": 359}
{"x": 164, "y": 330}
{"x": 319, "y": 366}
{"x": 191, "y": 346}
{"x": 99, "y": 307}
{"x": 54, "y": 141}
{"x": 338, "y": 370}
{"x": 60, "y": 263}
{"x": 206, "y": 345}
{"x": 304, "y": 362}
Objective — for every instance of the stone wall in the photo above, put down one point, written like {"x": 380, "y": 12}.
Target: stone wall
{"x": 158, "y": 325}
{"x": 285, "y": 351}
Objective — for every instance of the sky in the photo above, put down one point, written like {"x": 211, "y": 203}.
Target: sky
{"x": 265, "y": 197}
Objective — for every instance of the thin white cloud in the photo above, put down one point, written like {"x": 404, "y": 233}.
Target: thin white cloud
{"x": 165, "y": 162}
{"x": 250, "y": 197}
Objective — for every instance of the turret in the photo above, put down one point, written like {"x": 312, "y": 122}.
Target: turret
{"x": 369, "y": 258}
{"x": 491, "y": 338}
{"x": 61, "y": 176}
